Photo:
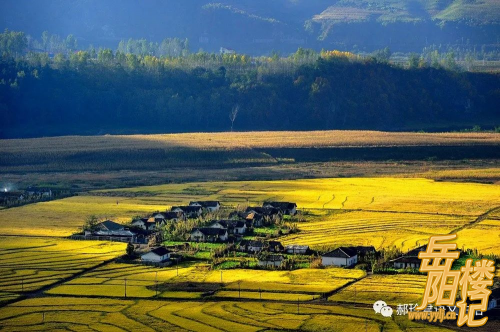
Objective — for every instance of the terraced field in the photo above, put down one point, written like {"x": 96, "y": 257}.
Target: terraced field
{"x": 393, "y": 289}
{"x": 192, "y": 280}
{"x": 380, "y": 229}
{"x": 27, "y": 265}
{"x": 76, "y": 314}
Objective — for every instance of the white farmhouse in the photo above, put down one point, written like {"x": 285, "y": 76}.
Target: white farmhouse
{"x": 210, "y": 206}
{"x": 207, "y": 234}
{"x": 157, "y": 255}
{"x": 273, "y": 261}
{"x": 296, "y": 249}
{"x": 342, "y": 256}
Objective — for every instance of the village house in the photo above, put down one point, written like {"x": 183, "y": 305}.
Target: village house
{"x": 110, "y": 230}
{"x": 188, "y": 211}
{"x": 210, "y": 206}
{"x": 285, "y": 208}
{"x": 256, "y": 219}
{"x": 237, "y": 227}
{"x": 252, "y": 246}
{"x": 261, "y": 216}
{"x": 11, "y": 197}
{"x": 273, "y": 261}
{"x": 342, "y": 256}
{"x": 147, "y": 224}
{"x": 296, "y": 249}
{"x": 158, "y": 255}
{"x": 162, "y": 217}
{"x": 208, "y": 234}
{"x": 409, "y": 260}
{"x": 252, "y": 219}
{"x": 256, "y": 246}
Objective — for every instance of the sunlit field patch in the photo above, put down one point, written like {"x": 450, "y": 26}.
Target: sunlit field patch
{"x": 393, "y": 289}
{"x": 31, "y": 263}
{"x": 79, "y": 314}
{"x": 142, "y": 281}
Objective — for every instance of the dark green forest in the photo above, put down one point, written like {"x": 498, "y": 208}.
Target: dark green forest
{"x": 104, "y": 91}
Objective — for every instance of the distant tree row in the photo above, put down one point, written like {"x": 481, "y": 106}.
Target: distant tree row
{"x": 170, "y": 47}
{"x": 91, "y": 92}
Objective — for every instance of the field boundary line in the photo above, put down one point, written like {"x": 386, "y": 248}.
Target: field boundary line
{"x": 41, "y": 291}
{"x": 480, "y": 218}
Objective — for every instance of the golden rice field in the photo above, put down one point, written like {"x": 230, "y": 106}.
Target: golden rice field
{"x": 383, "y": 212}
{"x": 80, "y": 314}
{"x": 66, "y": 216}
{"x": 29, "y": 264}
{"x": 367, "y": 211}
{"x": 190, "y": 281}
{"x": 393, "y": 289}
{"x": 246, "y": 140}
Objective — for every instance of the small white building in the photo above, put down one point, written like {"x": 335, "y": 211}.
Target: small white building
{"x": 296, "y": 249}
{"x": 252, "y": 246}
{"x": 240, "y": 227}
{"x": 210, "y": 206}
{"x": 188, "y": 211}
{"x": 157, "y": 255}
{"x": 208, "y": 234}
{"x": 273, "y": 261}
{"x": 342, "y": 256}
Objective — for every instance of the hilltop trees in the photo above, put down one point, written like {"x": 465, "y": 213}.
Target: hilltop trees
{"x": 92, "y": 91}
{"x": 12, "y": 43}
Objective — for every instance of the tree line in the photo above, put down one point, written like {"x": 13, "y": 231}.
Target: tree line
{"x": 120, "y": 92}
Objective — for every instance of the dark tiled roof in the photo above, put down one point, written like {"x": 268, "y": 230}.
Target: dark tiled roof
{"x": 281, "y": 205}
{"x": 252, "y": 243}
{"x": 167, "y": 215}
{"x": 111, "y": 225}
{"x": 262, "y": 210}
{"x": 239, "y": 224}
{"x": 206, "y": 204}
{"x": 274, "y": 244}
{"x": 342, "y": 252}
{"x": 160, "y": 251}
{"x": 187, "y": 208}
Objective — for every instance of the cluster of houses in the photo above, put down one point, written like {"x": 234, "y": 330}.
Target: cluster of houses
{"x": 31, "y": 194}
{"x": 241, "y": 222}
{"x": 142, "y": 230}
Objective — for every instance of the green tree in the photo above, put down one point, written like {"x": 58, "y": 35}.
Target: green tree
{"x": 413, "y": 61}
{"x": 130, "y": 250}
{"x": 91, "y": 223}
{"x": 45, "y": 40}
{"x": 449, "y": 61}
{"x": 71, "y": 43}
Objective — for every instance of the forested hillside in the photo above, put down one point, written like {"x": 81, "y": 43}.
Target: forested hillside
{"x": 260, "y": 26}
{"x": 115, "y": 92}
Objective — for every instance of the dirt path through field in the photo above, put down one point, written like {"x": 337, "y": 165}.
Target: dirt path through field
{"x": 482, "y": 217}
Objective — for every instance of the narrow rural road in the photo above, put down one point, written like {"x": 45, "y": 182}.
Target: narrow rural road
{"x": 480, "y": 218}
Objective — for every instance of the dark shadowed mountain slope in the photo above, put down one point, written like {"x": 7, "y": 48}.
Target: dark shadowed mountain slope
{"x": 260, "y": 26}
